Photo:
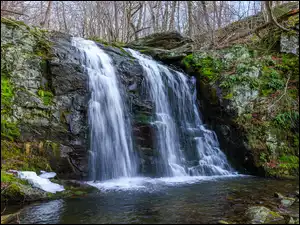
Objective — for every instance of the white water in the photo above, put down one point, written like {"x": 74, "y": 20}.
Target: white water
{"x": 148, "y": 184}
{"x": 188, "y": 151}
{"x": 179, "y": 129}
{"x": 111, "y": 154}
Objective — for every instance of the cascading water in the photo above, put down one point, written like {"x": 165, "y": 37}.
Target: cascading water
{"x": 111, "y": 154}
{"x": 179, "y": 129}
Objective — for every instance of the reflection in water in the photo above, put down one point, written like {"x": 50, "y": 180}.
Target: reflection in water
{"x": 204, "y": 202}
{"x": 49, "y": 212}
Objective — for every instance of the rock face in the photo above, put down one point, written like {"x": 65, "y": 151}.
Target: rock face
{"x": 131, "y": 86}
{"x": 169, "y": 47}
{"x": 47, "y": 90}
{"x": 49, "y": 98}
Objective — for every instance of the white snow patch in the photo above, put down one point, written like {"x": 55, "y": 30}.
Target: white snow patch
{"x": 41, "y": 182}
{"x": 47, "y": 175}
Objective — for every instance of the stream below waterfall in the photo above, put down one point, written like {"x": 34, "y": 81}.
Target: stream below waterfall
{"x": 165, "y": 201}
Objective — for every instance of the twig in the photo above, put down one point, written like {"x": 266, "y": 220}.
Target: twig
{"x": 18, "y": 219}
{"x": 5, "y": 189}
{"x": 3, "y": 210}
{"x": 272, "y": 17}
{"x": 18, "y": 13}
{"x": 285, "y": 89}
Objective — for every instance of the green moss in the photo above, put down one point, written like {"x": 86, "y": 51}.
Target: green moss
{"x": 54, "y": 147}
{"x": 7, "y": 92}
{"x": 79, "y": 193}
{"x": 286, "y": 120}
{"x": 142, "y": 118}
{"x": 9, "y": 130}
{"x": 13, "y": 156}
{"x": 99, "y": 40}
{"x": 46, "y": 96}
{"x": 205, "y": 66}
{"x": 6, "y": 177}
{"x": 10, "y": 178}
{"x": 230, "y": 81}
{"x": 13, "y": 23}
{"x": 228, "y": 96}
{"x": 13, "y": 192}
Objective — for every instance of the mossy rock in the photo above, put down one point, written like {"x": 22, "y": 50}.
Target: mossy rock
{"x": 18, "y": 192}
{"x": 20, "y": 156}
{"x": 261, "y": 214}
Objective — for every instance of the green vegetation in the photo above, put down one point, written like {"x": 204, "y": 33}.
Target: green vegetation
{"x": 46, "y": 96}
{"x": 14, "y": 156}
{"x": 142, "y": 118}
{"x": 206, "y": 67}
{"x": 99, "y": 40}
{"x": 274, "y": 111}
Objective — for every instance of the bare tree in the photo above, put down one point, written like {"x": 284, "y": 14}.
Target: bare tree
{"x": 190, "y": 21}
{"x": 47, "y": 15}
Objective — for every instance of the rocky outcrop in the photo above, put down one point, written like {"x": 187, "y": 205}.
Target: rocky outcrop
{"x": 249, "y": 97}
{"x": 169, "y": 47}
{"x": 48, "y": 96}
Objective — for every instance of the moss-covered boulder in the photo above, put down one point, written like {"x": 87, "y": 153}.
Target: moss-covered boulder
{"x": 261, "y": 214}
{"x": 15, "y": 190}
{"x": 169, "y": 47}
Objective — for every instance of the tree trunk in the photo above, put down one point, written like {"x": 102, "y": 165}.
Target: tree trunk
{"x": 166, "y": 16}
{"x": 189, "y": 4}
{"x": 47, "y": 15}
{"x": 207, "y": 20}
{"x": 178, "y": 17}
{"x": 116, "y": 34}
{"x": 171, "y": 27}
{"x": 64, "y": 17}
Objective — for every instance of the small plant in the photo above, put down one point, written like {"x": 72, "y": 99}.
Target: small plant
{"x": 46, "y": 96}
{"x": 286, "y": 120}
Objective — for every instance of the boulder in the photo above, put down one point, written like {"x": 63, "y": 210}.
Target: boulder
{"x": 169, "y": 47}
{"x": 261, "y": 214}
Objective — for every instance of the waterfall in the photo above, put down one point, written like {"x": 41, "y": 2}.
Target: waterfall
{"x": 111, "y": 153}
{"x": 186, "y": 146}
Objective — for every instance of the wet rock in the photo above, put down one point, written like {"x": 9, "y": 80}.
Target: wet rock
{"x": 278, "y": 195}
{"x": 261, "y": 214}
{"x": 17, "y": 192}
{"x": 286, "y": 202}
{"x": 10, "y": 218}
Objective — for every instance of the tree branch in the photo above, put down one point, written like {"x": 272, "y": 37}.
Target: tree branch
{"x": 9, "y": 11}
{"x": 272, "y": 18}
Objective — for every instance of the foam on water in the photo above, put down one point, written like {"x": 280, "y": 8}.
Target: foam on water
{"x": 154, "y": 184}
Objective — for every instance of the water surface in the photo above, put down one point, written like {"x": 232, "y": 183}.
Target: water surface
{"x": 163, "y": 201}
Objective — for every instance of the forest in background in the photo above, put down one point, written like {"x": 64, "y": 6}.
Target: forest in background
{"x": 125, "y": 21}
